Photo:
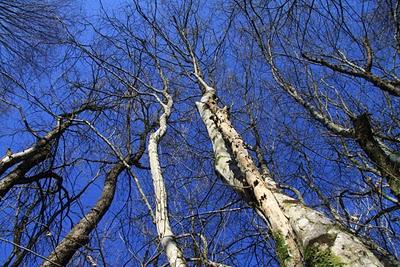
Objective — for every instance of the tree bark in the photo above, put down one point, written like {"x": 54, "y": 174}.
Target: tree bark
{"x": 42, "y": 144}
{"x": 389, "y": 168}
{"x": 268, "y": 205}
{"x": 165, "y": 234}
{"x": 79, "y": 234}
{"x": 302, "y": 235}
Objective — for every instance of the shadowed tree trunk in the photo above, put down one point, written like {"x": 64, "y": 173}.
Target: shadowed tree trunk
{"x": 30, "y": 157}
{"x": 79, "y": 234}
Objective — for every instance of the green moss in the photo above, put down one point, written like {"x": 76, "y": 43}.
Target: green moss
{"x": 316, "y": 256}
{"x": 217, "y": 158}
{"x": 290, "y": 202}
{"x": 394, "y": 184}
{"x": 282, "y": 250}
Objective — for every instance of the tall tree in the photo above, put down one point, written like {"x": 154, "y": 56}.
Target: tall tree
{"x": 334, "y": 107}
{"x": 204, "y": 133}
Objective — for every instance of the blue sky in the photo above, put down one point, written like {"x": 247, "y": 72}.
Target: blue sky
{"x": 272, "y": 122}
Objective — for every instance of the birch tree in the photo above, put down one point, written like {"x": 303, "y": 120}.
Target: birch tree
{"x": 204, "y": 133}
{"x": 166, "y": 236}
{"x": 287, "y": 221}
{"x": 379, "y": 146}
{"x": 301, "y": 234}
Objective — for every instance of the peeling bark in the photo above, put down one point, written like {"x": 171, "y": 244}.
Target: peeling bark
{"x": 302, "y": 235}
{"x": 262, "y": 189}
{"x": 165, "y": 234}
{"x": 319, "y": 235}
{"x": 224, "y": 164}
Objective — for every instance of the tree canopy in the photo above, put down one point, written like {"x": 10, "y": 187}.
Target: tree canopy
{"x": 200, "y": 133}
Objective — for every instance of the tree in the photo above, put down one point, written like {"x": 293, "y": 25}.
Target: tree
{"x": 256, "y": 154}
{"x": 365, "y": 67}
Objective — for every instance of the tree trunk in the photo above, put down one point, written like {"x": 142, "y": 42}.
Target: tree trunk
{"x": 79, "y": 234}
{"x": 165, "y": 234}
{"x": 302, "y": 235}
{"x": 30, "y": 157}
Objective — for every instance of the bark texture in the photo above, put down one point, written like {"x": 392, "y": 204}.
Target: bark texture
{"x": 165, "y": 234}
{"x": 79, "y": 234}
{"x": 218, "y": 121}
{"x": 302, "y": 235}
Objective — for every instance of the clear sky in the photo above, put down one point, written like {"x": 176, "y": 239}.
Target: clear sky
{"x": 92, "y": 7}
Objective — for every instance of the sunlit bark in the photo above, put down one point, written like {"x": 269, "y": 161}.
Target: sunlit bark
{"x": 302, "y": 235}
{"x": 165, "y": 234}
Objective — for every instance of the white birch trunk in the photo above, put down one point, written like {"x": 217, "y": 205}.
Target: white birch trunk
{"x": 165, "y": 234}
{"x": 302, "y": 235}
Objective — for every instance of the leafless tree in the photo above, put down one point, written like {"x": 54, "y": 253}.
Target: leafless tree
{"x": 204, "y": 133}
